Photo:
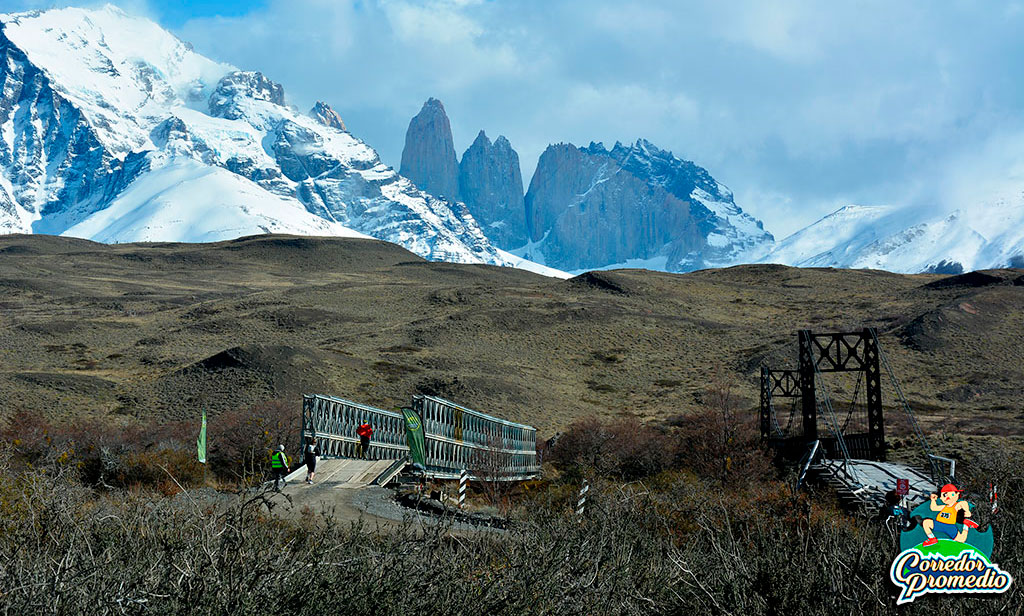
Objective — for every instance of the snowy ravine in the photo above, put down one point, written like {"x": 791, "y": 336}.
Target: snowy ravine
{"x": 112, "y": 129}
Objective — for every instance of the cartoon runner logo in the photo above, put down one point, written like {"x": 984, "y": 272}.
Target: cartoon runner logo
{"x": 945, "y": 551}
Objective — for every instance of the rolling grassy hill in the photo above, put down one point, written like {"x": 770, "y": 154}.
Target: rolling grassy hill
{"x": 156, "y": 330}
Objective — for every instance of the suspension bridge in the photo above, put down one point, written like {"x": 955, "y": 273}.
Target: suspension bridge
{"x": 848, "y": 454}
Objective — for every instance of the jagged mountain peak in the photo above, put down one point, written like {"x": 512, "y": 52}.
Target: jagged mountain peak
{"x": 501, "y": 143}
{"x": 491, "y": 184}
{"x": 428, "y": 158}
{"x": 433, "y": 104}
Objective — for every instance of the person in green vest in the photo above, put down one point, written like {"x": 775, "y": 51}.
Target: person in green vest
{"x": 279, "y": 466}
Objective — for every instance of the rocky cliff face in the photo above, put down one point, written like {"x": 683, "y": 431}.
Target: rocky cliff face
{"x": 54, "y": 162}
{"x": 491, "y": 184}
{"x": 632, "y": 206}
{"x": 428, "y": 158}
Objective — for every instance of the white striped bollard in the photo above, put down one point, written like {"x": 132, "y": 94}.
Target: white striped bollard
{"x": 463, "y": 482}
{"x": 582, "y": 500}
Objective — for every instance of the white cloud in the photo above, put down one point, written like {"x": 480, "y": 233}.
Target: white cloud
{"x": 440, "y": 23}
{"x": 783, "y": 29}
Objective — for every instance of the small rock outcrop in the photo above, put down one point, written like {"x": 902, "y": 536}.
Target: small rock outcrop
{"x": 322, "y": 113}
{"x": 240, "y": 87}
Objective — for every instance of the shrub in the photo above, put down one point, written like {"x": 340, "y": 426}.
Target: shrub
{"x": 691, "y": 547}
{"x": 154, "y": 455}
{"x": 622, "y": 448}
{"x": 240, "y": 442}
{"x": 720, "y": 446}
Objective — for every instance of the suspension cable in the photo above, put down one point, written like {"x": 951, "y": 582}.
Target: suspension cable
{"x": 792, "y": 415}
{"x": 775, "y": 419}
{"x": 906, "y": 407}
{"x": 853, "y": 404}
{"x": 825, "y": 403}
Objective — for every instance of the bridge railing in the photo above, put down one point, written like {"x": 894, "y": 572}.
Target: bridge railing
{"x": 460, "y": 438}
{"x": 455, "y": 437}
{"x": 334, "y": 422}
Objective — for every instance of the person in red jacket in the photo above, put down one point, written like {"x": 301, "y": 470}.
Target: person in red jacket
{"x": 365, "y": 431}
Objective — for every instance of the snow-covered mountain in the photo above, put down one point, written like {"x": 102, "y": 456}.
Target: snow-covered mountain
{"x": 113, "y": 129}
{"x": 911, "y": 240}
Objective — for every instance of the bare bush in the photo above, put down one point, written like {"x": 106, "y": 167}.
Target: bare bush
{"x": 623, "y": 448}
{"x": 721, "y": 440}
{"x": 109, "y": 455}
{"x": 686, "y": 547}
{"x": 490, "y": 467}
{"x": 241, "y": 441}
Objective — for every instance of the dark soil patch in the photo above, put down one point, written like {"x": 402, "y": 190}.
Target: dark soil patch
{"x": 78, "y": 383}
{"x": 601, "y": 281}
{"x": 970, "y": 279}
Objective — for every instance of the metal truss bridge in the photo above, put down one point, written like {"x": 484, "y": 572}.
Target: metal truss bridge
{"x": 456, "y": 438}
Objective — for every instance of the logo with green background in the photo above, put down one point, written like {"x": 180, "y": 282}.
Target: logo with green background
{"x": 944, "y": 551}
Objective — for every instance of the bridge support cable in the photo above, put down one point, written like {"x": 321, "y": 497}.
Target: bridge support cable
{"x": 915, "y": 426}
{"x": 853, "y": 406}
{"x": 792, "y": 415}
{"x": 775, "y": 420}
{"x": 824, "y": 403}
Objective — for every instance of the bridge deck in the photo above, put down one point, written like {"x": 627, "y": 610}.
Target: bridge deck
{"x": 335, "y": 473}
{"x": 865, "y": 482}
{"x": 340, "y": 484}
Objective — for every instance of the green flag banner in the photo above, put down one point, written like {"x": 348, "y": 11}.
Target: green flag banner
{"x": 201, "y": 441}
{"x": 414, "y": 437}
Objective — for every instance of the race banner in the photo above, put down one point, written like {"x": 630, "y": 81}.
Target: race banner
{"x": 414, "y": 436}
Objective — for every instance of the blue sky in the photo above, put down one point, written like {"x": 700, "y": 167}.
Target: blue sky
{"x": 174, "y": 14}
{"x": 799, "y": 107}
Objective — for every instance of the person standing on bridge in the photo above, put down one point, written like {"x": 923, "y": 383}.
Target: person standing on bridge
{"x": 365, "y": 431}
{"x": 311, "y": 453}
{"x": 279, "y": 466}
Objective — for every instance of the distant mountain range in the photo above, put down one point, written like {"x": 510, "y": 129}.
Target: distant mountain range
{"x": 911, "y": 241}
{"x": 114, "y": 130}
{"x": 586, "y": 208}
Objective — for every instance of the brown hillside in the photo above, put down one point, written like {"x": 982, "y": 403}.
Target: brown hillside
{"x": 158, "y": 329}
